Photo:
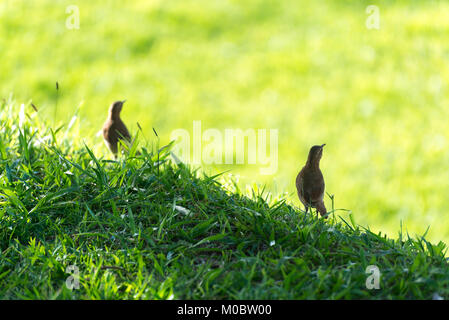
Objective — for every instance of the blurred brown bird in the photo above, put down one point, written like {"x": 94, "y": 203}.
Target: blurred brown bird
{"x": 114, "y": 129}
{"x": 310, "y": 182}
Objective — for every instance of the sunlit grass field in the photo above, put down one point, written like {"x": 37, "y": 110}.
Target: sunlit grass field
{"x": 77, "y": 227}
{"x": 311, "y": 69}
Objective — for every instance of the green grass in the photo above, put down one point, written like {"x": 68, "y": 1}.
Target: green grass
{"x": 377, "y": 98}
{"x": 143, "y": 228}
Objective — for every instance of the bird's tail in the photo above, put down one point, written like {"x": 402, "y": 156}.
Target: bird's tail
{"x": 322, "y": 209}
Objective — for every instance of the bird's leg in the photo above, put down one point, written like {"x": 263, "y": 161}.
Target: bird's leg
{"x": 322, "y": 210}
{"x": 307, "y": 208}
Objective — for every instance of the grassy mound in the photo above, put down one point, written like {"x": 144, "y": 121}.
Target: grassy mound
{"x": 144, "y": 228}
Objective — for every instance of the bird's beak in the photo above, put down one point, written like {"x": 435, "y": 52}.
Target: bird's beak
{"x": 322, "y": 146}
{"x": 123, "y": 101}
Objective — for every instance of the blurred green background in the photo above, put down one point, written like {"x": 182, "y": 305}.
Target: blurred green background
{"x": 311, "y": 69}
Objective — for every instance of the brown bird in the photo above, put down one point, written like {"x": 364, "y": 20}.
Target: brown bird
{"x": 114, "y": 129}
{"x": 310, "y": 182}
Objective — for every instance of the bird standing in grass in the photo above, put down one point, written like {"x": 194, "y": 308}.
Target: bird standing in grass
{"x": 114, "y": 129}
{"x": 310, "y": 182}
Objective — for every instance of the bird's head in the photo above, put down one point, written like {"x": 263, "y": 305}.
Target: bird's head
{"x": 315, "y": 154}
{"x": 115, "y": 108}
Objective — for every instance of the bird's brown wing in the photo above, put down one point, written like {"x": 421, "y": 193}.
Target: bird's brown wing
{"x": 314, "y": 194}
{"x": 314, "y": 188}
{"x": 300, "y": 187}
{"x": 110, "y": 136}
{"x": 122, "y": 131}
{"x": 105, "y": 130}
